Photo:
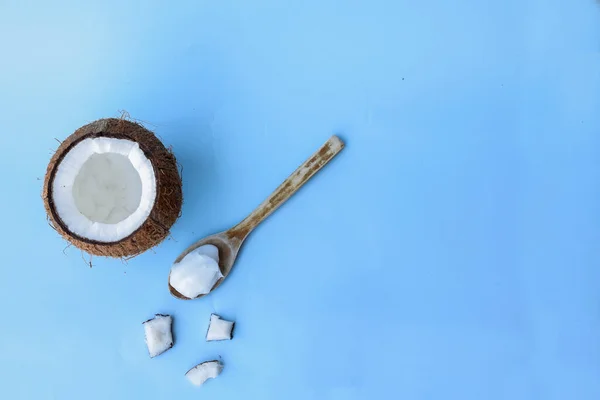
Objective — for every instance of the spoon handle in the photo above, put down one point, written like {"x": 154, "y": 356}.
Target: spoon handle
{"x": 290, "y": 186}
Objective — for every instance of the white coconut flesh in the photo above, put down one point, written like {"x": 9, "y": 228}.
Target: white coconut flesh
{"x": 219, "y": 329}
{"x": 104, "y": 189}
{"x": 203, "y": 372}
{"x": 159, "y": 336}
{"x": 197, "y": 273}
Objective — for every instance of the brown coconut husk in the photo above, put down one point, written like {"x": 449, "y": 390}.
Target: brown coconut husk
{"x": 169, "y": 197}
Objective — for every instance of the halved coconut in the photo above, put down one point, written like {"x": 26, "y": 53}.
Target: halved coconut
{"x": 113, "y": 189}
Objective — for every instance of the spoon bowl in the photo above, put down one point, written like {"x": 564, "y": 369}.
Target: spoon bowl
{"x": 229, "y": 242}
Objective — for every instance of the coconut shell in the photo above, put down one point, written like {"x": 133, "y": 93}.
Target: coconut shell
{"x": 169, "y": 197}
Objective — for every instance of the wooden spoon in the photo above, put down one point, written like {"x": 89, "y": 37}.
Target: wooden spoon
{"x": 229, "y": 242}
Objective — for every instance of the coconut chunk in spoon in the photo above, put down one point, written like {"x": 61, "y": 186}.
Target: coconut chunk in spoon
{"x": 197, "y": 273}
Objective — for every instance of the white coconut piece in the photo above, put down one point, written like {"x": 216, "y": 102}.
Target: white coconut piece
{"x": 203, "y": 372}
{"x": 196, "y": 274}
{"x": 104, "y": 189}
{"x": 159, "y": 336}
{"x": 219, "y": 329}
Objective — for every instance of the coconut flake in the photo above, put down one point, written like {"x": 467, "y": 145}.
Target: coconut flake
{"x": 203, "y": 372}
{"x": 219, "y": 329}
{"x": 197, "y": 273}
{"x": 159, "y": 337}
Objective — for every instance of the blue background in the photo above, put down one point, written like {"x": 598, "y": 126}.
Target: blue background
{"x": 451, "y": 252}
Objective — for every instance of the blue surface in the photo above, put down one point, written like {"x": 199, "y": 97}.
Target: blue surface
{"x": 451, "y": 252}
